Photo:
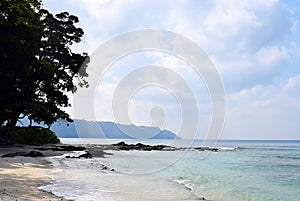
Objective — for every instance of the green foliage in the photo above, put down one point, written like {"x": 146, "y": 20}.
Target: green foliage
{"x": 38, "y": 67}
{"x": 34, "y": 135}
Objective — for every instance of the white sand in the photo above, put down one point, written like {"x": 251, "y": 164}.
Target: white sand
{"x": 20, "y": 177}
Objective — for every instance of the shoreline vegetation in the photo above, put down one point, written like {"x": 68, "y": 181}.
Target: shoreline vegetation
{"x": 24, "y": 168}
{"x": 38, "y": 65}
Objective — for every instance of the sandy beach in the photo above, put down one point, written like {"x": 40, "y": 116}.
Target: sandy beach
{"x": 20, "y": 176}
{"x": 120, "y": 172}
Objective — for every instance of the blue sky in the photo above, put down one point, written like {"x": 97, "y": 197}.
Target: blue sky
{"x": 255, "y": 46}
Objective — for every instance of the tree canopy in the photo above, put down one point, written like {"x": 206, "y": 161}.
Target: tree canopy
{"x": 37, "y": 66}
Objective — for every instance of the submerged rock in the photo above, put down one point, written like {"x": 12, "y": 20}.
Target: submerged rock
{"x": 138, "y": 146}
{"x": 207, "y": 149}
{"x": 122, "y": 146}
{"x": 84, "y": 154}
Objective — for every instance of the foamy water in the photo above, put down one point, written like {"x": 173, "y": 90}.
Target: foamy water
{"x": 255, "y": 171}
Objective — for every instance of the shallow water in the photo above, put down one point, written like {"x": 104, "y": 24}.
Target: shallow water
{"x": 257, "y": 170}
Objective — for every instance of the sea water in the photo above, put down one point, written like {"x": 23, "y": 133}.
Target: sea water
{"x": 243, "y": 170}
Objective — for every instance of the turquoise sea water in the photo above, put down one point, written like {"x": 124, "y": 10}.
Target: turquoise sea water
{"x": 256, "y": 170}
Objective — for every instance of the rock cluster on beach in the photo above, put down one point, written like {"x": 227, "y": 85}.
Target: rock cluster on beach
{"x": 61, "y": 147}
{"x": 25, "y": 154}
{"x": 48, "y": 150}
{"x": 138, "y": 146}
{"x": 122, "y": 146}
{"x": 89, "y": 151}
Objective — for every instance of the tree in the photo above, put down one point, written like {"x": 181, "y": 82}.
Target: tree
{"x": 37, "y": 66}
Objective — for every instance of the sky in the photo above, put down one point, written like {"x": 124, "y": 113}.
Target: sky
{"x": 254, "y": 46}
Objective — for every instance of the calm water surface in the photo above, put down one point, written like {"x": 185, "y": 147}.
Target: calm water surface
{"x": 256, "y": 170}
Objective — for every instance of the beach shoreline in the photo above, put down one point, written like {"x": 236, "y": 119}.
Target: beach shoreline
{"x": 21, "y": 177}
{"x": 24, "y": 169}
{"x": 99, "y": 172}
{"x": 23, "y": 172}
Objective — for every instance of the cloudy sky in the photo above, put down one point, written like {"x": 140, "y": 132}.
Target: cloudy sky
{"x": 254, "y": 45}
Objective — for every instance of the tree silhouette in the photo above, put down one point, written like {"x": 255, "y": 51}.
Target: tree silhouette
{"x": 37, "y": 66}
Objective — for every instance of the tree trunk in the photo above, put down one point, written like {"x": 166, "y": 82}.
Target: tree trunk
{"x": 6, "y": 136}
{"x": 1, "y": 122}
{"x": 6, "y": 133}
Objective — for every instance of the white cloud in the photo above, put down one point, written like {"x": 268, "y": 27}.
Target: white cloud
{"x": 249, "y": 41}
{"x": 228, "y": 19}
{"x": 272, "y": 56}
{"x": 293, "y": 85}
{"x": 109, "y": 12}
{"x": 254, "y": 44}
{"x": 268, "y": 112}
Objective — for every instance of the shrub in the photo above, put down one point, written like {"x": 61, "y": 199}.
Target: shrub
{"x": 34, "y": 135}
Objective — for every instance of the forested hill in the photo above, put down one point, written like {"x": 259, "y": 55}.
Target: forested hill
{"x": 89, "y": 129}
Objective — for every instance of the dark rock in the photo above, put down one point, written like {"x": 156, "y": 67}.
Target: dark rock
{"x": 61, "y": 148}
{"x": 97, "y": 152}
{"x": 14, "y": 154}
{"x": 35, "y": 154}
{"x": 84, "y": 155}
{"x": 30, "y": 154}
{"x": 120, "y": 143}
{"x": 207, "y": 149}
{"x": 122, "y": 146}
{"x": 138, "y": 146}
{"x": 159, "y": 147}
{"x": 67, "y": 148}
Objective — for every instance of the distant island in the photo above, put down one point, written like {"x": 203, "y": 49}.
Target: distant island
{"x": 90, "y": 129}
